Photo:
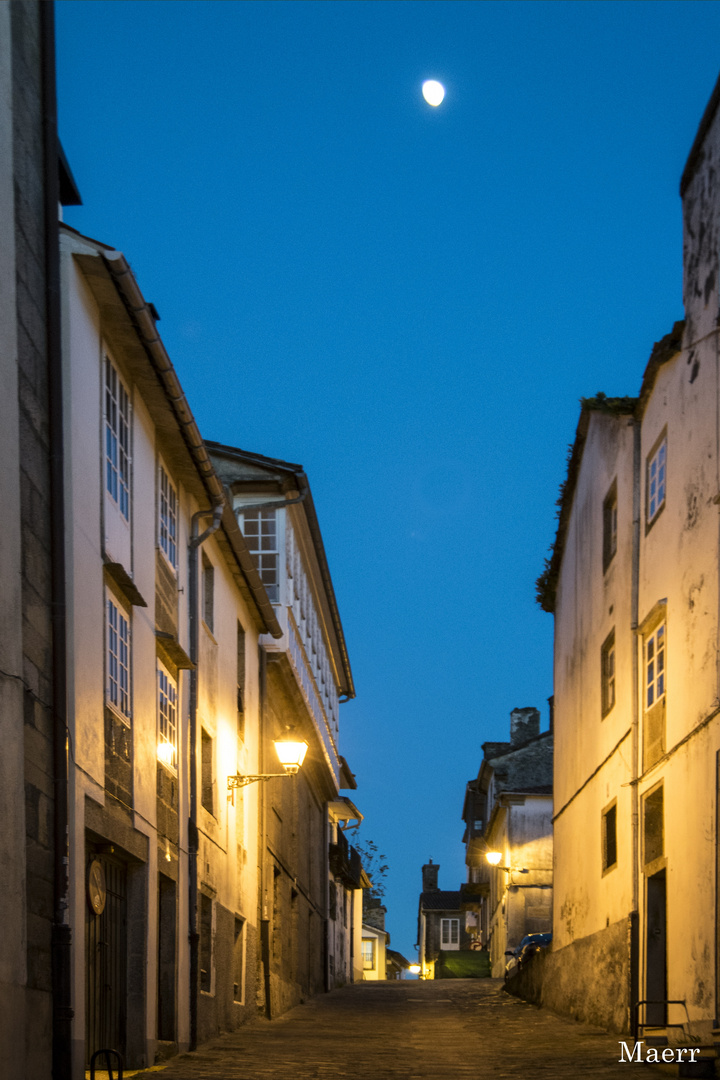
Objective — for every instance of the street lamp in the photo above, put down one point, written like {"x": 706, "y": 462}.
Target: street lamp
{"x": 494, "y": 857}
{"x": 291, "y": 753}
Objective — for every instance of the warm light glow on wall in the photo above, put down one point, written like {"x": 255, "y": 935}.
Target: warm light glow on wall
{"x": 166, "y": 753}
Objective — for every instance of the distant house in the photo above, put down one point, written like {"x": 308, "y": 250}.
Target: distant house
{"x": 508, "y": 810}
{"x": 395, "y": 964}
{"x": 441, "y": 923}
{"x": 375, "y": 940}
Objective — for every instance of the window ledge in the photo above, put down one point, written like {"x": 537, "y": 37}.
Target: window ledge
{"x": 120, "y": 577}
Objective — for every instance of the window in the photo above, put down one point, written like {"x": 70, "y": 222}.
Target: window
{"x": 206, "y": 759}
{"x": 239, "y": 960}
{"x": 240, "y": 681}
{"x": 167, "y": 717}
{"x": 653, "y": 827}
{"x": 208, "y": 592}
{"x": 449, "y": 932}
{"x": 118, "y": 658}
{"x": 609, "y": 837}
{"x": 655, "y": 666}
{"x": 117, "y": 439}
{"x": 260, "y": 531}
{"x": 368, "y": 954}
{"x": 610, "y": 520}
{"x": 205, "y": 958}
{"x": 656, "y": 477}
{"x": 167, "y": 524}
{"x": 607, "y": 661}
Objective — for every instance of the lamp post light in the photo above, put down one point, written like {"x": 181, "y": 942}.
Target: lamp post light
{"x": 494, "y": 857}
{"x": 291, "y": 753}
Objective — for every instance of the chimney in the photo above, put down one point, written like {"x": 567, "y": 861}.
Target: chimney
{"x": 430, "y": 876}
{"x": 524, "y": 725}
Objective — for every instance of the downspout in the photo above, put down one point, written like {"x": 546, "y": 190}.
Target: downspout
{"x": 193, "y": 563}
{"x": 61, "y": 939}
{"x": 262, "y": 839}
{"x": 634, "y": 928}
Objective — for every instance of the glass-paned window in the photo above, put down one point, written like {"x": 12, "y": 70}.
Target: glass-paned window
{"x": 656, "y": 474}
{"x": 117, "y": 440}
{"x": 261, "y": 533}
{"x": 167, "y": 718}
{"x": 655, "y": 666}
{"x": 608, "y": 673}
{"x": 368, "y": 954}
{"x": 610, "y": 524}
{"x": 449, "y": 931}
{"x": 167, "y": 525}
{"x": 118, "y": 657}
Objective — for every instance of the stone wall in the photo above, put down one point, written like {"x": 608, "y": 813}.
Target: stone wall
{"x": 26, "y": 850}
{"x": 588, "y": 980}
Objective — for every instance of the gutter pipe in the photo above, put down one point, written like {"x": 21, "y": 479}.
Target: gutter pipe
{"x": 635, "y": 731}
{"x": 193, "y": 839}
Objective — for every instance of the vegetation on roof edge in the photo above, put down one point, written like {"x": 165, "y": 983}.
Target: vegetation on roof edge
{"x": 546, "y": 584}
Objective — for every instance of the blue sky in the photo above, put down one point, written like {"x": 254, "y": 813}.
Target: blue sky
{"x": 408, "y": 301}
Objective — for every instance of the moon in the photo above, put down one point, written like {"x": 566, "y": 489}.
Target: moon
{"x": 433, "y": 91}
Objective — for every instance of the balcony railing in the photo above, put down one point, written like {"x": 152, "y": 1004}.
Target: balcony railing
{"x": 345, "y": 862}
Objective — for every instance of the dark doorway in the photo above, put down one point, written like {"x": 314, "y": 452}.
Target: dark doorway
{"x": 106, "y": 958}
{"x": 656, "y": 949}
{"x": 167, "y": 937}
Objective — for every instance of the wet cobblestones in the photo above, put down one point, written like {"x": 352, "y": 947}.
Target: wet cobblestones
{"x": 407, "y": 1030}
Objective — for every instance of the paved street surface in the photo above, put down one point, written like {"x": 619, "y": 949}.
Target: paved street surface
{"x": 403, "y": 1030}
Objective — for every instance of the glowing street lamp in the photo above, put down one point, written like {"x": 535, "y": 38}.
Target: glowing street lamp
{"x": 291, "y": 754}
{"x": 494, "y": 857}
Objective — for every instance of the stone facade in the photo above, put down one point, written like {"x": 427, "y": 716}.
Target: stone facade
{"x": 309, "y": 934}
{"x": 27, "y": 796}
{"x": 633, "y": 585}
{"x": 508, "y": 809}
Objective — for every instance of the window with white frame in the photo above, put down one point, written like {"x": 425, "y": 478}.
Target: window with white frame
{"x": 368, "y": 954}
{"x": 449, "y": 932}
{"x": 167, "y": 518}
{"x": 261, "y": 533}
{"x": 117, "y": 439}
{"x": 167, "y": 717}
{"x": 117, "y": 657}
{"x": 655, "y": 681}
{"x": 656, "y": 477}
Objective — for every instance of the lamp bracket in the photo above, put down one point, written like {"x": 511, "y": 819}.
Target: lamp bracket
{"x": 241, "y": 781}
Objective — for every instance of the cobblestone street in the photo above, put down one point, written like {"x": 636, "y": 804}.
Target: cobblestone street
{"x": 403, "y": 1030}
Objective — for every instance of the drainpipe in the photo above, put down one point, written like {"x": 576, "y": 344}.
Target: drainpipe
{"x": 193, "y": 567}
{"x": 61, "y": 939}
{"x": 635, "y": 738}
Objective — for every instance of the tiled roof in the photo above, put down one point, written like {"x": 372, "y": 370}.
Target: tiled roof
{"x": 440, "y": 901}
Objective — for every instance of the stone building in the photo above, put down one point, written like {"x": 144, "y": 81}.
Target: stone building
{"x": 306, "y": 907}
{"x": 150, "y": 896}
{"x": 165, "y": 611}
{"x": 35, "y": 1003}
{"x": 633, "y": 582}
{"x": 441, "y": 923}
{"x": 508, "y": 810}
